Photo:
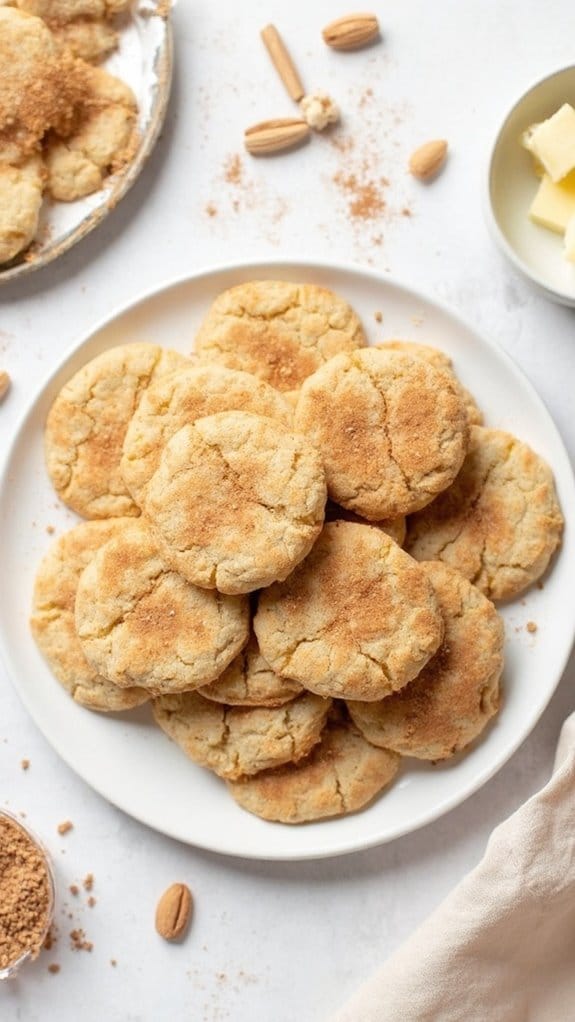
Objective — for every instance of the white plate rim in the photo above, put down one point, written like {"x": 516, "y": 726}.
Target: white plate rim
{"x": 288, "y": 264}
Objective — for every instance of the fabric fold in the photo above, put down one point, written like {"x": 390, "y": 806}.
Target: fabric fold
{"x": 502, "y": 944}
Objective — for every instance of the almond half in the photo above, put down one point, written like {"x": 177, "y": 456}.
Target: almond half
{"x": 173, "y": 911}
{"x": 428, "y": 160}
{"x": 270, "y": 137}
{"x": 351, "y": 32}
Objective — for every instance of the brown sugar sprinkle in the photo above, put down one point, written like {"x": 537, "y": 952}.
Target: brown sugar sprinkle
{"x": 54, "y": 968}
{"x": 51, "y": 938}
{"x": 25, "y": 763}
{"x": 531, "y": 627}
{"x": 211, "y": 209}
{"x": 50, "y": 530}
{"x": 113, "y": 962}
{"x": 88, "y": 882}
{"x": 65, "y": 827}
{"x": 378, "y": 317}
{"x": 78, "y": 941}
{"x": 25, "y": 894}
{"x": 74, "y": 889}
{"x": 91, "y": 901}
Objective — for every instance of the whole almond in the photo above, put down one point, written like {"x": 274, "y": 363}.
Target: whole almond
{"x": 270, "y": 137}
{"x": 173, "y": 911}
{"x": 428, "y": 160}
{"x": 351, "y": 32}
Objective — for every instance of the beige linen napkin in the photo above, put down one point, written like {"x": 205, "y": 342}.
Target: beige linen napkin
{"x": 501, "y": 947}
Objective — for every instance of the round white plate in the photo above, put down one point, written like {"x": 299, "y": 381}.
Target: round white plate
{"x": 144, "y": 60}
{"x": 127, "y": 758}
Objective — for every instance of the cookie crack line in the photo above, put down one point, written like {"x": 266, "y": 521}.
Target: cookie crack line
{"x": 106, "y": 632}
{"x": 388, "y": 438}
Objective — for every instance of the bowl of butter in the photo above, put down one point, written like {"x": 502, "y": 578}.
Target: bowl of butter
{"x": 531, "y": 186}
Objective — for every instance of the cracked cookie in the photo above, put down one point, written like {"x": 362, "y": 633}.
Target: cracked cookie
{"x": 250, "y": 681}
{"x": 40, "y": 85}
{"x": 440, "y": 360}
{"x": 102, "y": 141}
{"x": 238, "y": 741}
{"x": 457, "y": 692}
{"x": 395, "y": 528}
{"x": 189, "y": 394}
{"x": 21, "y": 190}
{"x": 500, "y": 522}
{"x": 92, "y": 41}
{"x": 52, "y": 620}
{"x": 341, "y": 775}
{"x": 140, "y": 623}
{"x": 236, "y": 502}
{"x": 87, "y": 423}
{"x": 392, "y": 430}
{"x": 278, "y": 330}
{"x": 358, "y": 619}
{"x": 60, "y": 12}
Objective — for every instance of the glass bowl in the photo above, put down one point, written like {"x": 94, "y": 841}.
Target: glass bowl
{"x": 10, "y": 971}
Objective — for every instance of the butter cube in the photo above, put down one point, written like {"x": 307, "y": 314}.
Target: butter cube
{"x": 554, "y": 204}
{"x": 553, "y": 142}
{"x": 570, "y": 240}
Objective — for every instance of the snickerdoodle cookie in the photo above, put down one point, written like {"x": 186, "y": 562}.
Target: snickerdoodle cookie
{"x": 358, "y": 619}
{"x": 235, "y": 741}
{"x": 142, "y": 624}
{"x": 392, "y": 430}
{"x": 21, "y": 190}
{"x": 278, "y": 330}
{"x": 236, "y": 502}
{"x": 500, "y": 522}
{"x": 58, "y": 12}
{"x": 186, "y": 395}
{"x": 250, "y": 681}
{"x": 52, "y": 620}
{"x": 87, "y": 423}
{"x": 342, "y": 774}
{"x": 395, "y": 528}
{"x": 440, "y": 360}
{"x": 457, "y": 693}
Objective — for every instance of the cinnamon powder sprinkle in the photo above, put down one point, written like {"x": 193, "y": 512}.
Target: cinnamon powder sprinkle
{"x": 88, "y": 882}
{"x": 54, "y": 968}
{"x": 25, "y": 763}
{"x": 366, "y": 201}
{"x": 65, "y": 827}
{"x": 531, "y": 627}
{"x": 25, "y": 894}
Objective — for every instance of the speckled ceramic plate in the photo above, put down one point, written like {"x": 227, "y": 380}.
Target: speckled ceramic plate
{"x": 125, "y": 756}
{"x": 144, "y": 60}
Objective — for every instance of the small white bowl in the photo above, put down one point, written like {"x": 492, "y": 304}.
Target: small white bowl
{"x": 511, "y": 185}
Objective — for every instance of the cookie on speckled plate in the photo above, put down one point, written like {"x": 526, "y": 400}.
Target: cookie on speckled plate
{"x": 278, "y": 330}
{"x": 174, "y": 401}
{"x": 392, "y": 430}
{"x": 499, "y": 524}
{"x": 455, "y": 696}
{"x": 342, "y": 774}
{"x": 87, "y": 423}
{"x": 357, "y": 620}
{"x": 52, "y": 621}
{"x": 237, "y": 741}
{"x": 140, "y": 623}
{"x": 237, "y": 501}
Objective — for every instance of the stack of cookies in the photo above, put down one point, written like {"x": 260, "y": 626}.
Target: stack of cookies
{"x": 292, "y": 548}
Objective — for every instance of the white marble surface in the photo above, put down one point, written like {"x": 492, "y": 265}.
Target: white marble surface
{"x": 283, "y": 942}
